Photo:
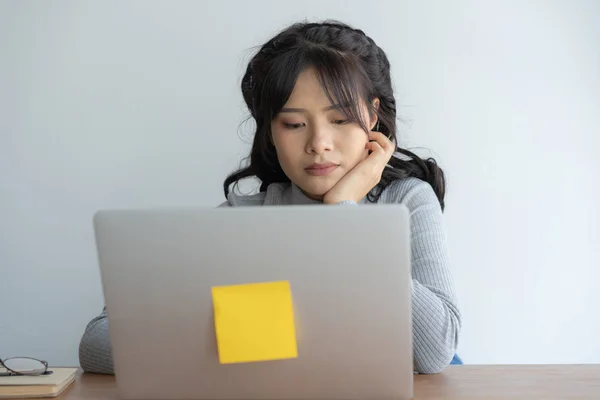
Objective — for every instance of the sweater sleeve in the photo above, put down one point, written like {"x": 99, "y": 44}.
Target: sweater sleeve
{"x": 95, "y": 354}
{"x": 436, "y": 317}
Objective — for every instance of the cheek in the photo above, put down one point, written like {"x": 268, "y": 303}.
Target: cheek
{"x": 364, "y": 153}
{"x": 286, "y": 148}
{"x": 355, "y": 148}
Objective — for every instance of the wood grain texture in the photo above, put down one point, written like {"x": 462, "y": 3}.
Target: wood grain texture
{"x": 514, "y": 382}
{"x": 490, "y": 382}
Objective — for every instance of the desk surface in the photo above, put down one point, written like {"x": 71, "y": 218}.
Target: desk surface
{"x": 456, "y": 382}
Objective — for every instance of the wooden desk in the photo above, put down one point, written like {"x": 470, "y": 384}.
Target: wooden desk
{"x": 456, "y": 382}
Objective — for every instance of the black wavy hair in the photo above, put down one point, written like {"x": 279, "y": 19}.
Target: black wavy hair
{"x": 351, "y": 69}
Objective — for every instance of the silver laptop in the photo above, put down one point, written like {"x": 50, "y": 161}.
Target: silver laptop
{"x": 348, "y": 270}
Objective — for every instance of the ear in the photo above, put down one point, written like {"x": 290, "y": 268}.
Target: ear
{"x": 374, "y": 119}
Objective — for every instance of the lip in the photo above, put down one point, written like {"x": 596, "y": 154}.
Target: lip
{"x": 321, "y": 169}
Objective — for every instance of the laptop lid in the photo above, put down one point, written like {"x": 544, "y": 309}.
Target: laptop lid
{"x": 348, "y": 270}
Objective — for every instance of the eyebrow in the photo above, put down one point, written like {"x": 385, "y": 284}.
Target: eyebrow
{"x": 302, "y": 110}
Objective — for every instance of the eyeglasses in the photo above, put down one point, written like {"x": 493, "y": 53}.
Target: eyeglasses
{"x": 23, "y": 366}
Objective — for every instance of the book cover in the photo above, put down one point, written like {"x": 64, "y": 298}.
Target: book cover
{"x": 37, "y": 386}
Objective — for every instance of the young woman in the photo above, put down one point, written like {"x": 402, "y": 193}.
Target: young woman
{"x": 321, "y": 96}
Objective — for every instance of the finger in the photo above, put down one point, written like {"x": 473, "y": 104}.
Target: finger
{"x": 382, "y": 140}
{"x": 375, "y": 148}
{"x": 376, "y": 161}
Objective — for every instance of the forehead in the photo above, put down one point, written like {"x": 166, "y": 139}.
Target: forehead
{"x": 308, "y": 92}
{"x": 308, "y": 96}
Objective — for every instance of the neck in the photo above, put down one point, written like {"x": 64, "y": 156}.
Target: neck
{"x": 299, "y": 196}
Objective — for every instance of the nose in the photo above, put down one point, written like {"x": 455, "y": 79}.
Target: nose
{"x": 320, "y": 139}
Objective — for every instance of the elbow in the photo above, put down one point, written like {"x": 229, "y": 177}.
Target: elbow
{"x": 435, "y": 364}
{"x": 435, "y": 352}
{"x": 86, "y": 364}
{"x": 95, "y": 352}
{"x": 94, "y": 357}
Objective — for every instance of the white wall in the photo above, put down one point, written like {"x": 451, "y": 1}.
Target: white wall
{"x": 136, "y": 103}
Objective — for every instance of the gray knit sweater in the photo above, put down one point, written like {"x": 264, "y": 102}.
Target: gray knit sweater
{"x": 436, "y": 318}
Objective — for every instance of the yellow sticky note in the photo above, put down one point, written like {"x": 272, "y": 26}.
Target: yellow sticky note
{"x": 254, "y": 322}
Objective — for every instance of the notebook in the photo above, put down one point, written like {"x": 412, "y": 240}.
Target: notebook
{"x": 37, "y": 386}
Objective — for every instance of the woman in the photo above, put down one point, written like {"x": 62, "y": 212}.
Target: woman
{"x": 325, "y": 113}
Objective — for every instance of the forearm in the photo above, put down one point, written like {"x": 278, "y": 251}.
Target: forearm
{"x": 436, "y": 316}
{"x": 95, "y": 353}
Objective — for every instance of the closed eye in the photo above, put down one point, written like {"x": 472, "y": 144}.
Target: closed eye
{"x": 293, "y": 126}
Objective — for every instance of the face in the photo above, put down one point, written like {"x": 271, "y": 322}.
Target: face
{"x": 316, "y": 144}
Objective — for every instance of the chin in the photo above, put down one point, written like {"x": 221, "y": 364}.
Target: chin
{"x": 316, "y": 189}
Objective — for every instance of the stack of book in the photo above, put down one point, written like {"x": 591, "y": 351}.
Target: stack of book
{"x": 37, "y": 386}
